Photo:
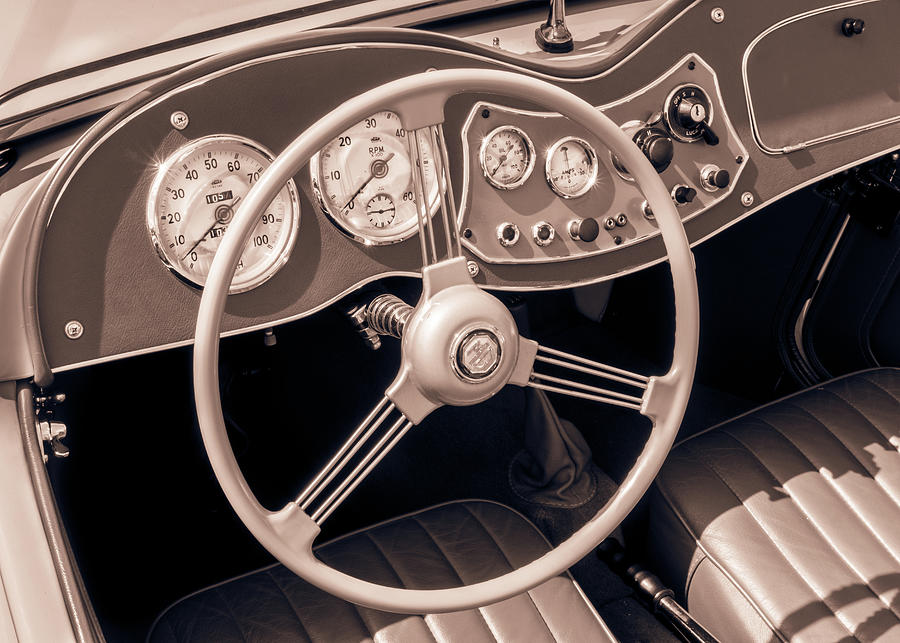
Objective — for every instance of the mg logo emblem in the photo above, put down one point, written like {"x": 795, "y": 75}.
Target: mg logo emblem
{"x": 478, "y": 354}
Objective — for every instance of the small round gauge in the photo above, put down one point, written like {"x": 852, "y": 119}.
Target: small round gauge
{"x": 571, "y": 167}
{"x": 507, "y": 157}
{"x": 381, "y": 210}
{"x": 194, "y": 197}
{"x": 364, "y": 182}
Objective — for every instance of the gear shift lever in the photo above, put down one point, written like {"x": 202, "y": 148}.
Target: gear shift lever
{"x": 553, "y": 35}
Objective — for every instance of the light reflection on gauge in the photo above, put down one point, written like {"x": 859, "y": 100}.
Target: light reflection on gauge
{"x": 363, "y": 180}
{"x": 194, "y": 197}
{"x": 507, "y": 157}
{"x": 571, "y": 167}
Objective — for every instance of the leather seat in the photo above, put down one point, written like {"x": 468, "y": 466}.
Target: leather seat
{"x": 784, "y": 523}
{"x": 447, "y": 545}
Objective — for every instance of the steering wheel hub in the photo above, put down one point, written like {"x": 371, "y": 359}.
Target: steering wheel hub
{"x": 460, "y": 346}
{"x": 477, "y": 354}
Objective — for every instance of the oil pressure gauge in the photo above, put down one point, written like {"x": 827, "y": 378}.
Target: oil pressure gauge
{"x": 571, "y": 167}
{"x": 193, "y": 200}
{"x": 507, "y": 157}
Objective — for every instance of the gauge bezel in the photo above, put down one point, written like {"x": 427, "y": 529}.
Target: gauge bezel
{"x": 529, "y": 168}
{"x": 314, "y": 167}
{"x": 152, "y": 219}
{"x": 592, "y": 157}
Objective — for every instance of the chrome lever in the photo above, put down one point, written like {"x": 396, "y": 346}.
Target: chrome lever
{"x": 554, "y": 36}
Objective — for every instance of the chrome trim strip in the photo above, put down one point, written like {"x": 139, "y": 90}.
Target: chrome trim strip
{"x": 754, "y": 126}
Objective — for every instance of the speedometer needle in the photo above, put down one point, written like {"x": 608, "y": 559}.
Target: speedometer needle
{"x": 502, "y": 161}
{"x": 367, "y": 181}
{"x": 209, "y": 229}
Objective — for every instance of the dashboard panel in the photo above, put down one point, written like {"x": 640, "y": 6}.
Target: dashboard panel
{"x": 98, "y": 265}
{"x": 613, "y": 204}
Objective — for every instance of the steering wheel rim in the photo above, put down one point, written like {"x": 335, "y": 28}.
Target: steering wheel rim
{"x": 419, "y": 101}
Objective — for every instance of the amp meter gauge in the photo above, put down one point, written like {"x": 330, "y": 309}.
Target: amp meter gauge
{"x": 571, "y": 167}
{"x": 193, "y": 200}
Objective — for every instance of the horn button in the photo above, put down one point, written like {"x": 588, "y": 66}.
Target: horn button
{"x": 478, "y": 354}
{"x": 460, "y": 347}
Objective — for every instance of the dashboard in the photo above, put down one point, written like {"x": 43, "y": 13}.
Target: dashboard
{"x": 147, "y": 193}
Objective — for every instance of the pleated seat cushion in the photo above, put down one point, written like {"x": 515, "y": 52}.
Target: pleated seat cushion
{"x": 784, "y": 523}
{"x": 445, "y": 546}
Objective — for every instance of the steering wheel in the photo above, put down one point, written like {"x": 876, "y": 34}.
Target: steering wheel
{"x": 460, "y": 346}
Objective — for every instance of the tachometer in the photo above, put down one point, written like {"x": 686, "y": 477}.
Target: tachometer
{"x": 364, "y": 182}
{"x": 194, "y": 197}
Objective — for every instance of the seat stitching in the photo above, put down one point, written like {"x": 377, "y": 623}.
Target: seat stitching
{"x": 877, "y": 385}
{"x": 289, "y": 602}
{"x": 808, "y": 515}
{"x": 455, "y": 570}
{"x": 237, "y": 624}
{"x": 740, "y": 588}
{"x": 862, "y": 415}
{"x": 834, "y": 485}
{"x": 509, "y": 562}
{"x": 872, "y": 474}
{"x": 714, "y": 470}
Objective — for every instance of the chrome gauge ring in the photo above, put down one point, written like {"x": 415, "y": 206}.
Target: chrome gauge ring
{"x": 571, "y": 167}
{"x": 364, "y": 183}
{"x": 194, "y": 197}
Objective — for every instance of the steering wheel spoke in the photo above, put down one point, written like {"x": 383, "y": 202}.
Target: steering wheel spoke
{"x": 433, "y": 135}
{"x": 333, "y": 482}
{"x": 578, "y": 376}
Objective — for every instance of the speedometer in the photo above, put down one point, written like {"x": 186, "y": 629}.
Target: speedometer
{"x": 364, "y": 182}
{"x": 194, "y": 197}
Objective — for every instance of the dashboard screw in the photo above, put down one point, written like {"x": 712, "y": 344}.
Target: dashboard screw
{"x": 467, "y": 233}
{"x": 74, "y": 329}
{"x": 617, "y": 239}
{"x": 747, "y": 199}
{"x": 485, "y": 113}
{"x": 473, "y": 268}
{"x": 738, "y": 159}
{"x": 692, "y": 65}
{"x": 717, "y": 15}
{"x": 179, "y": 120}
{"x": 495, "y": 41}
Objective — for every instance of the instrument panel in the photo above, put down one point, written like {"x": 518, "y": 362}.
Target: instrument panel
{"x": 564, "y": 197}
{"x": 582, "y": 201}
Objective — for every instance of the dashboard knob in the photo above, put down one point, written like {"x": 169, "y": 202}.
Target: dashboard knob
{"x": 507, "y": 234}
{"x": 543, "y": 233}
{"x": 715, "y": 178}
{"x": 656, "y": 145}
{"x": 585, "y": 229}
{"x": 683, "y": 194}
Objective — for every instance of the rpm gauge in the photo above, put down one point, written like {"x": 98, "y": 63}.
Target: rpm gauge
{"x": 193, "y": 200}
{"x": 363, "y": 180}
{"x": 571, "y": 167}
